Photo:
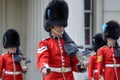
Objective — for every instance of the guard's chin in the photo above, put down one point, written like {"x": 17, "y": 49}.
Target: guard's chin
{"x": 60, "y": 33}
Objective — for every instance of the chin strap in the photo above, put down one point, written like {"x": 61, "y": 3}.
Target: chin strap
{"x": 56, "y": 32}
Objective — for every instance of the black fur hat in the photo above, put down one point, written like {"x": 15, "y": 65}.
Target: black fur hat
{"x": 56, "y": 13}
{"x": 11, "y": 39}
{"x": 111, "y": 29}
{"x": 98, "y": 41}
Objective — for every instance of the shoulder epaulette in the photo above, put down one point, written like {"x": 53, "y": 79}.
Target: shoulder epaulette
{"x": 45, "y": 38}
{"x": 102, "y": 47}
{"x": 93, "y": 54}
{"x": 4, "y": 53}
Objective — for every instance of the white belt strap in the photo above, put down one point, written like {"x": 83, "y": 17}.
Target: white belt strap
{"x": 60, "y": 70}
{"x": 92, "y": 78}
{"x": 94, "y": 71}
{"x": 13, "y": 73}
{"x": 112, "y": 65}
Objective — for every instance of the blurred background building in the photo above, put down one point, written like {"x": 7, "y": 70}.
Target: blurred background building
{"x": 26, "y": 16}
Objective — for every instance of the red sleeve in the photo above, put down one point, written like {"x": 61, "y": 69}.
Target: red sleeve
{"x": 100, "y": 62}
{"x": 91, "y": 67}
{"x": 74, "y": 62}
{"x": 1, "y": 66}
{"x": 42, "y": 54}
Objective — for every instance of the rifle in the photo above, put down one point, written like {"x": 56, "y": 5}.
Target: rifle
{"x": 72, "y": 49}
{"x": 18, "y": 57}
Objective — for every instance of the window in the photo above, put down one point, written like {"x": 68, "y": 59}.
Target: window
{"x": 88, "y": 17}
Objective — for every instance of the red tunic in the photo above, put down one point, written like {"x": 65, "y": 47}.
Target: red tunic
{"x": 7, "y": 64}
{"x": 106, "y": 60}
{"x": 92, "y": 69}
{"x": 50, "y": 52}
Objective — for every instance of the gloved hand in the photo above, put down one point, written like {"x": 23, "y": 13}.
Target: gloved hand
{"x": 24, "y": 66}
{"x": 85, "y": 64}
{"x": 101, "y": 77}
{"x": 82, "y": 68}
{"x": 45, "y": 71}
{"x": 92, "y": 78}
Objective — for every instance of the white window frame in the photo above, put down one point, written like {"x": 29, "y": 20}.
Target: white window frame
{"x": 90, "y": 27}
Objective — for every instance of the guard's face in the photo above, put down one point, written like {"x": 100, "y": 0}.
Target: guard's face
{"x": 57, "y": 30}
{"x": 12, "y": 49}
{"x": 111, "y": 41}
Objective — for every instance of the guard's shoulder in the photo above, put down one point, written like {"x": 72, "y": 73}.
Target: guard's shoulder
{"x": 102, "y": 47}
{"x": 94, "y": 54}
{"x": 44, "y": 39}
{"x": 4, "y": 53}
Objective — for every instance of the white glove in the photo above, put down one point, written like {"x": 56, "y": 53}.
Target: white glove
{"x": 46, "y": 70}
{"x": 86, "y": 64}
{"x": 101, "y": 77}
{"x": 92, "y": 78}
{"x": 0, "y": 79}
{"x": 23, "y": 65}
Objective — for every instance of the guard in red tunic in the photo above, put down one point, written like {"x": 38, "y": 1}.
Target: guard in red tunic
{"x": 109, "y": 55}
{"x": 97, "y": 42}
{"x": 12, "y": 62}
{"x": 52, "y": 60}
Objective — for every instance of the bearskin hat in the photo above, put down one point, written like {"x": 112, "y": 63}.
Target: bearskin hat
{"x": 111, "y": 29}
{"x": 98, "y": 41}
{"x": 11, "y": 39}
{"x": 56, "y": 13}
